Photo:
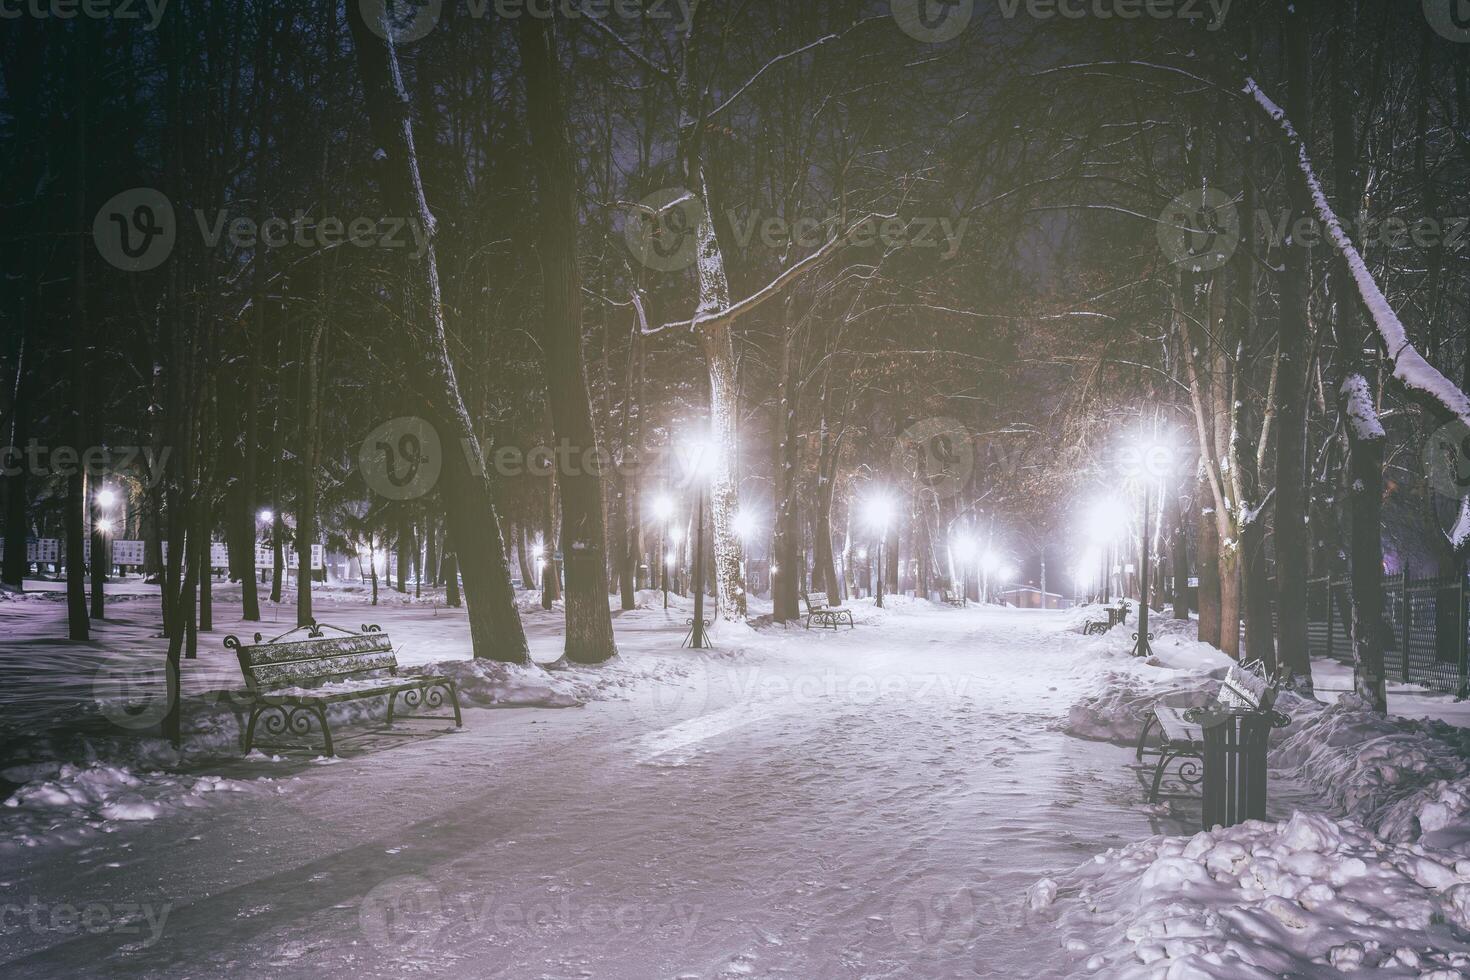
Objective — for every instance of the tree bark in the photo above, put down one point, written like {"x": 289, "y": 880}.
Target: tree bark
{"x": 76, "y": 487}
{"x": 1290, "y": 530}
{"x": 1208, "y": 564}
{"x": 589, "y": 634}
{"x": 495, "y": 627}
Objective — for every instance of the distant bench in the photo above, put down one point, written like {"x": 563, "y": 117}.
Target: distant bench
{"x": 1116, "y": 615}
{"x": 287, "y": 683}
{"x": 823, "y": 615}
{"x": 952, "y": 598}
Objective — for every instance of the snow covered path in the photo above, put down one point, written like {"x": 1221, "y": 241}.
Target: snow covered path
{"x": 867, "y": 804}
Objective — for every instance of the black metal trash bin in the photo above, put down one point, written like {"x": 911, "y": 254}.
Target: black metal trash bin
{"x": 1235, "y": 768}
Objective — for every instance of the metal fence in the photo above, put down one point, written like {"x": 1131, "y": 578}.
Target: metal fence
{"x": 1427, "y": 621}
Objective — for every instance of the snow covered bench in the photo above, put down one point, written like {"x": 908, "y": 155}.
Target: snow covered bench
{"x": 1116, "y": 614}
{"x": 1246, "y": 689}
{"x": 952, "y": 598}
{"x": 822, "y": 614}
{"x": 289, "y": 682}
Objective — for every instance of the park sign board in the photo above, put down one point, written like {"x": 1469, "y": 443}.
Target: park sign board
{"x": 43, "y": 550}
{"x": 265, "y": 557}
{"x": 127, "y": 553}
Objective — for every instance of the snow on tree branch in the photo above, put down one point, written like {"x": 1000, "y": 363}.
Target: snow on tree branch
{"x": 1361, "y": 415}
{"x": 1409, "y": 366}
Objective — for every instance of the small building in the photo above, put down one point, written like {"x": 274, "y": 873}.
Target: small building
{"x": 1029, "y": 597}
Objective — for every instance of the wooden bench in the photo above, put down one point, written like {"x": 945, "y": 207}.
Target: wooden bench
{"x": 822, "y": 614}
{"x": 290, "y": 680}
{"x": 952, "y": 598}
{"x": 1116, "y": 615}
{"x": 1246, "y": 688}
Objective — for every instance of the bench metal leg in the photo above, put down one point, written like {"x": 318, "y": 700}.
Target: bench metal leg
{"x": 454, "y": 700}
{"x": 1143, "y": 736}
{"x": 1190, "y": 769}
{"x": 250, "y": 726}
{"x": 321, "y": 714}
{"x": 392, "y": 702}
{"x": 1153, "y": 793}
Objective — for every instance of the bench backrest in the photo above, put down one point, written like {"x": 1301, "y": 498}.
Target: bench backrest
{"x": 269, "y": 666}
{"x": 1246, "y": 687}
{"x": 815, "y": 601}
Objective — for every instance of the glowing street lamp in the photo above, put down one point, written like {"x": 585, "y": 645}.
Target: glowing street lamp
{"x": 1105, "y": 525}
{"x": 266, "y": 516}
{"x": 879, "y": 511}
{"x": 104, "y": 526}
{"x": 106, "y": 499}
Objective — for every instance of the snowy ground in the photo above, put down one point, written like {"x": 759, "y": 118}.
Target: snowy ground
{"x": 939, "y": 793}
{"x": 870, "y": 803}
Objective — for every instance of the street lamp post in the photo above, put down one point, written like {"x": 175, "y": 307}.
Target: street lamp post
{"x": 1154, "y": 462}
{"x": 1141, "y": 647}
{"x": 880, "y": 511}
{"x": 698, "y": 639}
{"x": 102, "y": 503}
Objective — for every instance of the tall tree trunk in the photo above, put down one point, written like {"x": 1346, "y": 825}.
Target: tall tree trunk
{"x": 1363, "y": 432}
{"x": 1290, "y": 529}
{"x": 12, "y": 574}
{"x": 451, "y": 580}
{"x": 306, "y": 531}
{"x": 785, "y": 533}
{"x": 76, "y": 487}
{"x": 1208, "y": 564}
{"x": 495, "y": 627}
{"x": 589, "y": 633}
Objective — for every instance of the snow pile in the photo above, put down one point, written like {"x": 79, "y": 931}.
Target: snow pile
{"x": 489, "y": 683}
{"x": 1303, "y": 897}
{"x": 1401, "y": 778}
{"x": 1183, "y": 673}
{"x": 66, "y": 801}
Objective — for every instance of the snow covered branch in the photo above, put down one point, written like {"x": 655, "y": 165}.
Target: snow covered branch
{"x": 770, "y": 290}
{"x": 1409, "y": 366}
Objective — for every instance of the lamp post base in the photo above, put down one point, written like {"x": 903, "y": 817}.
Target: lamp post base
{"x": 1141, "y": 646}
